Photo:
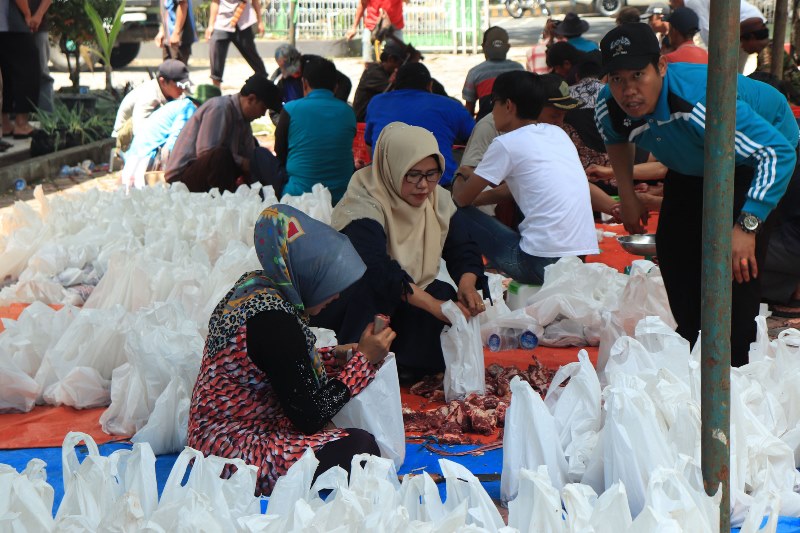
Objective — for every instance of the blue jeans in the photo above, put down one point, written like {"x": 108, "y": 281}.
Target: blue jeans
{"x": 500, "y": 245}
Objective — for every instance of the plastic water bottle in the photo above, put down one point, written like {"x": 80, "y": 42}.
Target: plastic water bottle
{"x": 528, "y": 340}
{"x": 20, "y": 184}
{"x": 501, "y": 340}
{"x": 67, "y": 171}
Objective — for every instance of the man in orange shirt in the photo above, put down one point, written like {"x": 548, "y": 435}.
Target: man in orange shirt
{"x": 683, "y": 25}
{"x": 371, "y": 12}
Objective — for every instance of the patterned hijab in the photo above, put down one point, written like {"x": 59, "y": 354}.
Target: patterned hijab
{"x": 304, "y": 263}
{"x": 415, "y": 235}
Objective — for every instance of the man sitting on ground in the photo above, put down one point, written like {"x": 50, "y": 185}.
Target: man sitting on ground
{"x": 150, "y": 149}
{"x": 314, "y": 136}
{"x": 480, "y": 78}
{"x": 378, "y": 76}
{"x": 413, "y": 103}
{"x": 216, "y": 148}
{"x": 683, "y": 25}
{"x": 548, "y": 184}
{"x": 171, "y": 82}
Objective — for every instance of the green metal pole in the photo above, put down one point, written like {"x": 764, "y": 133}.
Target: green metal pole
{"x": 292, "y": 22}
{"x": 723, "y": 52}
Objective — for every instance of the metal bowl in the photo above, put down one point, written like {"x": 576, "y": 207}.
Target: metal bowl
{"x": 639, "y": 244}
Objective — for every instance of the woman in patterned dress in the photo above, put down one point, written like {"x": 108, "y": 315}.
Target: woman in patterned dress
{"x": 264, "y": 393}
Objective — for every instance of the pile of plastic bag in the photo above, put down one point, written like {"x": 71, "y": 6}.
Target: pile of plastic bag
{"x": 148, "y": 268}
{"x": 579, "y": 302}
{"x": 643, "y": 427}
{"x": 119, "y": 493}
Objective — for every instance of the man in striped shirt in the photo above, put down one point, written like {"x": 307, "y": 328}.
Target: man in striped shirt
{"x": 661, "y": 108}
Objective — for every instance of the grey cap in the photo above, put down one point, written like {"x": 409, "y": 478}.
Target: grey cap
{"x": 174, "y": 70}
{"x": 658, "y": 8}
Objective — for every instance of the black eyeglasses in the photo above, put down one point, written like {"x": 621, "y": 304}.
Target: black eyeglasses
{"x": 415, "y": 176}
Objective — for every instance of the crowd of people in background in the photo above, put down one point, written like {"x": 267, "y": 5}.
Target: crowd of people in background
{"x": 512, "y": 177}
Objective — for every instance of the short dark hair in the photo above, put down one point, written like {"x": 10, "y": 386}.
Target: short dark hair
{"x": 413, "y": 76}
{"x": 628, "y": 15}
{"x": 523, "y": 88}
{"x": 562, "y": 51}
{"x": 343, "y": 86}
{"x": 589, "y": 69}
{"x": 320, "y": 73}
{"x": 266, "y": 91}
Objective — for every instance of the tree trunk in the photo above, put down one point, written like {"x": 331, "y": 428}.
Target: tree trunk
{"x": 74, "y": 70}
{"x": 109, "y": 86}
{"x": 796, "y": 24}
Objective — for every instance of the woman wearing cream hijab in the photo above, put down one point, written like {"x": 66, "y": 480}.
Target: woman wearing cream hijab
{"x": 402, "y": 223}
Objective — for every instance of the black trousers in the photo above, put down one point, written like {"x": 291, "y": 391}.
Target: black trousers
{"x": 217, "y": 168}
{"x": 19, "y": 64}
{"x": 417, "y": 345}
{"x": 244, "y": 41}
{"x": 679, "y": 245}
{"x": 340, "y": 452}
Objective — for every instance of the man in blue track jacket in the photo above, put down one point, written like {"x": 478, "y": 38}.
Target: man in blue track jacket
{"x": 662, "y": 109}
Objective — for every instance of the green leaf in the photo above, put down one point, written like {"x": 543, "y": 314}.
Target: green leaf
{"x": 99, "y": 30}
{"x": 116, "y": 26}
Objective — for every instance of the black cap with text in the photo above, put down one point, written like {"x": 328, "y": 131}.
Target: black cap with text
{"x": 629, "y": 47}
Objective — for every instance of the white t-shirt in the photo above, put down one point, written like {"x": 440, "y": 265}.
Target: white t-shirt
{"x": 138, "y": 105}
{"x": 546, "y": 178}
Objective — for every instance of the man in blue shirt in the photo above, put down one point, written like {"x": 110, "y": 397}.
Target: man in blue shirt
{"x": 661, "y": 108}
{"x": 314, "y": 135}
{"x": 177, "y": 32}
{"x": 413, "y": 103}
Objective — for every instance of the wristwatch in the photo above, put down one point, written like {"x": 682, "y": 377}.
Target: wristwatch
{"x": 749, "y": 223}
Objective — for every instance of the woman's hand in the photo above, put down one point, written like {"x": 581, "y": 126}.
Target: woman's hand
{"x": 375, "y": 346}
{"x": 468, "y": 295}
{"x": 340, "y": 351}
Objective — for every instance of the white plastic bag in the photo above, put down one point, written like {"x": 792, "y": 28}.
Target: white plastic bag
{"x": 316, "y": 204}
{"x": 537, "y": 506}
{"x": 463, "y": 486}
{"x": 219, "y": 502}
{"x": 90, "y": 487}
{"x": 293, "y": 486}
{"x": 576, "y": 411}
{"x": 463, "y": 355}
{"x": 564, "y": 332}
{"x": 611, "y": 513}
{"x": 378, "y": 410}
{"x": 579, "y": 503}
{"x": 632, "y": 442}
{"x": 576, "y": 290}
{"x": 530, "y": 439}
{"x": 420, "y": 496}
{"x": 26, "y": 499}
{"x": 168, "y": 425}
{"x": 644, "y": 295}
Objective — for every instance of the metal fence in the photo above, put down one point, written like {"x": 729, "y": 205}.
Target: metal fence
{"x": 767, "y": 7}
{"x": 455, "y": 25}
